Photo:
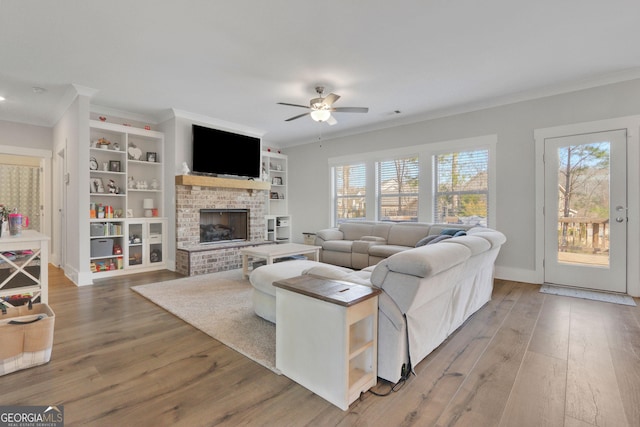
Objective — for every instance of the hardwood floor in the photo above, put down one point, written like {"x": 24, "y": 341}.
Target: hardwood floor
{"x": 525, "y": 359}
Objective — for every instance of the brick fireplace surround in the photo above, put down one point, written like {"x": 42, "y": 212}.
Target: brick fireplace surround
{"x": 193, "y": 258}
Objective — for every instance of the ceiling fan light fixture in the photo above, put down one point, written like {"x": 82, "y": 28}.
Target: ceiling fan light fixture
{"x": 320, "y": 115}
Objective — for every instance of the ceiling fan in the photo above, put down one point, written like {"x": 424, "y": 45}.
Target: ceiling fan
{"x": 321, "y": 108}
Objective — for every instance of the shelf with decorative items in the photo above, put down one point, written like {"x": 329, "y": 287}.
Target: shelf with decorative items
{"x": 107, "y": 237}
{"x": 274, "y": 171}
{"x": 126, "y": 173}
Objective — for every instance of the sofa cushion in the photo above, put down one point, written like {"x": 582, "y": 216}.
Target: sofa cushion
{"x": 475, "y": 244}
{"x": 439, "y": 238}
{"x": 338, "y": 273}
{"x": 407, "y": 234}
{"x": 425, "y": 240}
{"x": 385, "y": 251}
{"x": 338, "y": 245}
{"x": 495, "y": 239}
{"x": 355, "y": 230}
{"x": 424, "y": 261}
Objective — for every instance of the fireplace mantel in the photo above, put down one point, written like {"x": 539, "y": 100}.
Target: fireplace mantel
{"x": 208, "y": 181}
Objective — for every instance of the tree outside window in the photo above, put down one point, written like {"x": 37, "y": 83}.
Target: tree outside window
{"x": 461, "y": 187}
{"x": 350, "y": 192}
{"x": 397, "y": 189}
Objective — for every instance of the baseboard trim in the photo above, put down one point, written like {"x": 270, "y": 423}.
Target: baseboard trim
{"x": 515, "y": 274}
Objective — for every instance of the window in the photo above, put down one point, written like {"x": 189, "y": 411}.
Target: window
{"x": 461, "y": 187}
{"x": 349, "y": 191}
{"x": 397, "y": 189}
{"x": 450, "y": 181}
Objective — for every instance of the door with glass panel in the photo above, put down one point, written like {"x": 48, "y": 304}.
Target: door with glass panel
{"x": 586, "y": 210}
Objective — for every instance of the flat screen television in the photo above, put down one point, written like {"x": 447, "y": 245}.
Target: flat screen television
{"x": 217, "y": 152}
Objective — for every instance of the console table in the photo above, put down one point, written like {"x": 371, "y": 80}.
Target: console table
{"x": 24, "y": 263}
{"x": 326, "y": 339}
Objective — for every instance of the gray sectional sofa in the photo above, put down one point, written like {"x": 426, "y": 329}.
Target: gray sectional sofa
{"x": 362, "y": 244}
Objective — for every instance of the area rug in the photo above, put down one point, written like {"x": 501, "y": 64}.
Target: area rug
{"x": 585, "y": 294}
{"x": 218, "y": 304}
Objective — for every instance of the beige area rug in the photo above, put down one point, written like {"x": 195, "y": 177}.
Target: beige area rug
{"x": 220, "y": 305}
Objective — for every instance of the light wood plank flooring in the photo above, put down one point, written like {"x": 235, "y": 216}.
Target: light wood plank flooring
{"x": 525, "y": 359}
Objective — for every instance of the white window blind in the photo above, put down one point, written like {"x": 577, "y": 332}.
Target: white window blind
{"x": 461, "y": 187}
{"x": 349, "y": 192}
{"x": 397, "y": 189}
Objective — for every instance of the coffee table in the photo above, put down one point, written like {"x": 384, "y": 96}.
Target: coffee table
{"x": 273, "y": 252}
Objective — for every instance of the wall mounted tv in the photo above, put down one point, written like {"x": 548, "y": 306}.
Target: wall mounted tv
{"x": 216, "y": 152}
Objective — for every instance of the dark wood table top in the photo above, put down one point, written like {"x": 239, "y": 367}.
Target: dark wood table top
{"x": 333, "y": 291}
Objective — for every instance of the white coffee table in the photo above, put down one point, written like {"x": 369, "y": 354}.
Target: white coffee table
{"x": 273, "y": 252}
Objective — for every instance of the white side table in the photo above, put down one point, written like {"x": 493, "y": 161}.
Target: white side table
{"x": 326, "y": 336}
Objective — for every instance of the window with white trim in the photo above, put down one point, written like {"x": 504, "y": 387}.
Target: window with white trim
{"x": 397, "y": 188}
{"x": 447, "y": 181}
{"x": 349, "y": 192}
{"x": 461, "y": 187}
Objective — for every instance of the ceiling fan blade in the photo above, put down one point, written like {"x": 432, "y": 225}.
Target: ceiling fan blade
{"x": 330, "y": 99}
{"x": 331, "y": 121}
{"x": 293, "y": 105}
{"x": 297, "y": 117}
{"x": 351, "y": 109}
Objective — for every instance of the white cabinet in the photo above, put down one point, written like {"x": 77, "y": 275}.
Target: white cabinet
{"x": 326, "y": 339}
{"x": 125, "y": 179}
{"x": 278, "y": 228}
{"x": 146, "y": 242}
{"x": 274, "y": 166}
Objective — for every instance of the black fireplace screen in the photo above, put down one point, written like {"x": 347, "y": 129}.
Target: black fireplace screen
{"x": 223, "y": 225}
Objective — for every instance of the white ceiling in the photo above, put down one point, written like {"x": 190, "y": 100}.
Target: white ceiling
{"x": 232, "y": 61}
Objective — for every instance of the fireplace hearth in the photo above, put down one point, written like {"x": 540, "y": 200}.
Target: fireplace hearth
{"x": 223, "y": 225}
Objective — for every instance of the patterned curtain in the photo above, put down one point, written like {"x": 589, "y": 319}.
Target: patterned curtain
{"x": 20, "y": 188}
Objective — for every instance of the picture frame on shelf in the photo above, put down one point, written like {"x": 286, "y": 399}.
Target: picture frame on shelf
{"x": 129, "y": 213}
{"x": 274, "y": 195}
{"x": 114, "y": 165}
{"x": 96, "y": 185}
{"x": 276, "y": 180}
{"x": 152, "y": 157}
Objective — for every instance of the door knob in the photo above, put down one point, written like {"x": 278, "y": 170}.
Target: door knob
{"x": 619, "y": 219}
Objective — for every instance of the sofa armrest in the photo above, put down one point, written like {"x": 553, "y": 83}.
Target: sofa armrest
{"x": 328, "y": 234}
{"x": 424, "y": 261}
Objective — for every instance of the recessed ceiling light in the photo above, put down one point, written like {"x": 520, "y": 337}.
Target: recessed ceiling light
{"x": 2, "y": 98}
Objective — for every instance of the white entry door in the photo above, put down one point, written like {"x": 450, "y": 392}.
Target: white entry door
{"x": 586, "y": 210}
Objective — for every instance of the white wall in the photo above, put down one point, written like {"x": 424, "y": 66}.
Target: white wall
{"x": 25, "y": 136}
{"x": 309, "y": 185}
{"x": 71, "y": 133}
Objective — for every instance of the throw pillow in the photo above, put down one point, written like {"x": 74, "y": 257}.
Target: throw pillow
{"x": 449, "y": 231}
{"x": 439, "y": 238}
{"x": 460, "y": 233}
{"x": 425, "y": 240}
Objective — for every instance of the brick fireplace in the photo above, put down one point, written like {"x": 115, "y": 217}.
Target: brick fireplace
{"x": 192, "y": 256}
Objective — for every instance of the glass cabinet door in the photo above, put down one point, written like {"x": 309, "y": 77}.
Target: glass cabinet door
{"x": 156, "y": 237}
{"x": 135, "y": 243}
